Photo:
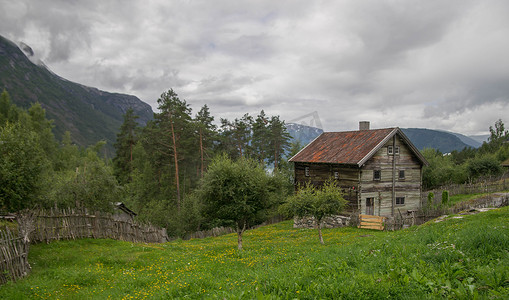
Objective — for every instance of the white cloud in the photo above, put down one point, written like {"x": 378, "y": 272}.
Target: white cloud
{"x": 416, "y": 63}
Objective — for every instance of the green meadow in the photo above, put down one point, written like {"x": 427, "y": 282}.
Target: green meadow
{"x": 459, "y": 258}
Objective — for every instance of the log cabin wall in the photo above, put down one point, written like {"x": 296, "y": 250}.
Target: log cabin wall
{"x": 385, "y": 190}
{"x": 347, "y": 179}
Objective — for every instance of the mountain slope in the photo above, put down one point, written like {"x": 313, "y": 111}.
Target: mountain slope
{"x": 303, "y": 133}
{"x": 427, "y": 138}
{"x": 88, "y": 113}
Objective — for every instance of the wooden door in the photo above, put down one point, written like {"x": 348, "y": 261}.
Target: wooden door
{"x": 370, "y": 206}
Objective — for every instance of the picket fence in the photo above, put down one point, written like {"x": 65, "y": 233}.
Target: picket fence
{"x": 51, "y": 225}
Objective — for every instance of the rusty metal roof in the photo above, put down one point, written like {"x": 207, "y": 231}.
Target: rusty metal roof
{"x": 349, "y": 147}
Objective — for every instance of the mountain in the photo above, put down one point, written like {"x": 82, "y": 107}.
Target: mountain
{"x": 88, "y": 113}
{"x": 445, "y": 142}
{"x": 470, "y": 141}
{"x": 303, "y": 133}
{"x": 480, "y": 138}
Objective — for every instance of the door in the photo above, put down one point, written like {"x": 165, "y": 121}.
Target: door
{"x": 370, "y": 206}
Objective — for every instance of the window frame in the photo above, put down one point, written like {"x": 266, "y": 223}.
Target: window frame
{"x": 399, "y": 175}
{"x": 306, "y": 171}
{"x": 401, "y": 201}
{"x": 336, "y": 174}
{"x": 375, "y": 177}
{"x": 392, "y": 150}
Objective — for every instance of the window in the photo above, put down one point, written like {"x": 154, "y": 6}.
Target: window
{"x": 306, "y": 171}
{"x": 336, "y": 175}
{"x": 393, "y": 150}
{"x": 377, "y": 174}
{"x": 400, "y": 200}
{"x": 401, "y": 174}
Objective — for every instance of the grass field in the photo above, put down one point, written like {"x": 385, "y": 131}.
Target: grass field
{"x": 456, "y": 258}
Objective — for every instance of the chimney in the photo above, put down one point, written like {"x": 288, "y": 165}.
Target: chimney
{"x": 364, "y": 125}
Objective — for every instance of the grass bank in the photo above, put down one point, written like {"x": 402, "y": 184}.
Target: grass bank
{"x": 456, "y": 258}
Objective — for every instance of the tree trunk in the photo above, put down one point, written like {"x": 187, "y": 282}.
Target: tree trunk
{"x": 239, "y": 239}
{"x": 318, "y": 222}
{"x": 201, "y": 151}
{"x": 175, "y": 156}
{"x": 240, "y": 231}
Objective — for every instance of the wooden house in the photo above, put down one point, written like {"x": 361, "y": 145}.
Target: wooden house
{"x": 379, "y": 171}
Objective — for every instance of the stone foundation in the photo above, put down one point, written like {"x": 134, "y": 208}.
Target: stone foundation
{"x": 328, "y": 222}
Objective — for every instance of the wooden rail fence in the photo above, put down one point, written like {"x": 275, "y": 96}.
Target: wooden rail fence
{"x": 51, "y": 225}
{"x": 71, "y": 224}
{"x": 13, "y": 257}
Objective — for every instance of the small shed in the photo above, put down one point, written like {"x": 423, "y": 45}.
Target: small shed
{"x": 123, "y": 213}
{"x": 378, "y": 170}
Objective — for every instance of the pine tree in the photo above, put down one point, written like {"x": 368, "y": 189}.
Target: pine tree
{"x": 279, "y": 140}
{"x": 261, "y": 135}
{"x": 174, "y": 120}
{"x": 124, "y": 145}
{"x": 206, "y": 134}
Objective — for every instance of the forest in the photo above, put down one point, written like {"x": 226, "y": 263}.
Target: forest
{"x": 160, "y": 170}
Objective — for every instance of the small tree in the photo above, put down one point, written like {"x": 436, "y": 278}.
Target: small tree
{"x": 431, "y": 198}
{"x": 445, "y": 197}
{"x": 237, "y": 194}
{"x": 310, "y": 201}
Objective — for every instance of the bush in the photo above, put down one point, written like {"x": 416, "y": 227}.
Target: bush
{"x": 445, "y": 197}
{"x": 483, "y": 166}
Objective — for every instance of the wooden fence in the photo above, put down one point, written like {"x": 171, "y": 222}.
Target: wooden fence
{"x": 13, "y": 257}
{"x": 481, "y": 186}
{"x": 51, "y": 225}
{"x": 74, "y": 224}
{"x": 404, "y": 219}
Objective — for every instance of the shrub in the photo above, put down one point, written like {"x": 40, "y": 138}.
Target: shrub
{"x": 445, "y": 197}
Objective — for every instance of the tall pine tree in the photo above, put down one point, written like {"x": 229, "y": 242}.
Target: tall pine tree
{"x": 124, "y": 146}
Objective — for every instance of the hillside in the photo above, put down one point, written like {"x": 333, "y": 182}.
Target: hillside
{"x": 88, "y": 113}
{"x": 303, "y": 133}
{"x": 461, "y": 257}
{"x": 446, "y": 142}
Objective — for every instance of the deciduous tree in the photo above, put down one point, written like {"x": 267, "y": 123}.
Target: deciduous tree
{"x": 236, "y": 194}
{"x": 316, "y": 202}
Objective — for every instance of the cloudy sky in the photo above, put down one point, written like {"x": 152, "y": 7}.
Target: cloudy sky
{"x": 433, "y": 64}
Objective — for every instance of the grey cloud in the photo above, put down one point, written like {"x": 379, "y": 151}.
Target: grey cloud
{"x": 397, "y": 63}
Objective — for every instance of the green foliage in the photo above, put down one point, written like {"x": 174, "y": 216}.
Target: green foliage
{"x": 89, "y": 184}
{"x": 8, "y": 111}
{"x": 316, "y": 202}
{"x": 124, "y": 146}
{"x": 468, "y": 164}
{"x": 431, "y": 199}
{"x": 445, "y": 197}
{"x": 21, "y": 167}
{"x": 483, "y": 166}
{"x": 237, "y": 194}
